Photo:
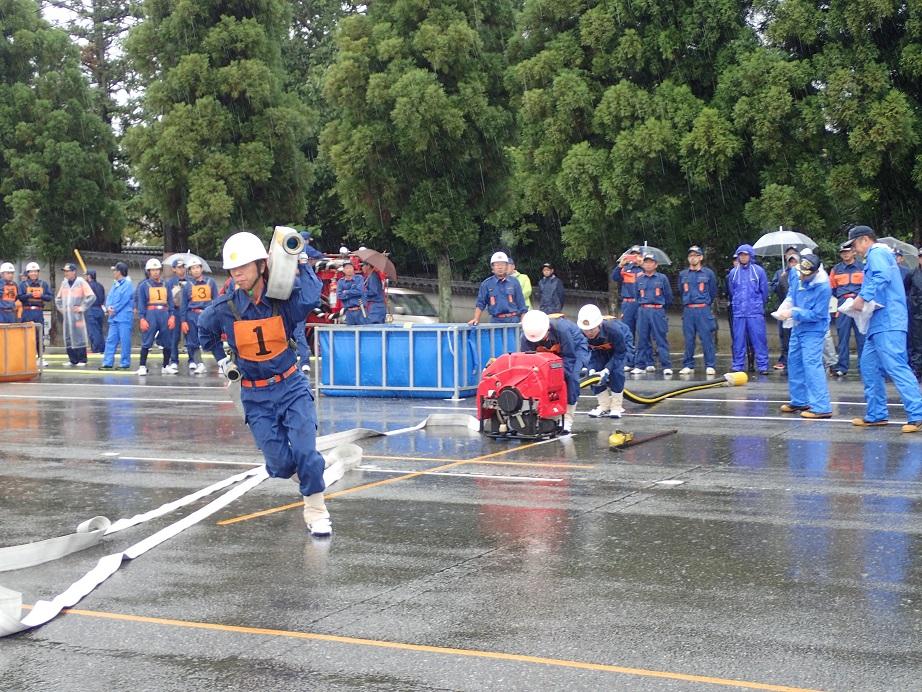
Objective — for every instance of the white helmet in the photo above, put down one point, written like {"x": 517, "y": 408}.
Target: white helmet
{"x": 194, "y": 262}
{"x": 33, "y": 267}
{"x": 535, "y": 325}
{"x": 7, "y": 267}
{"x": 589, "y": 317}
{"x": 499, "y": 257}
{"x": 243, "y": 248}
{"x": 153, "y": 263}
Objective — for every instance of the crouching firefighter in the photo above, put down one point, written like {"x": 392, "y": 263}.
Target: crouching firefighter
{"x": 277, "y": 400}
{"x": 610, "y": 342}
{"x": 560, "y": 336}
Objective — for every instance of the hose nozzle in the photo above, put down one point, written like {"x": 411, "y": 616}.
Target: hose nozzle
{"x": 289, "y": 239}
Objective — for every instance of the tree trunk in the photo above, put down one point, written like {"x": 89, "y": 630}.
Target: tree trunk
{"x": 444, "y": 278}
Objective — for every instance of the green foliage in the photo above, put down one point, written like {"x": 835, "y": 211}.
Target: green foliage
{"x": 220, "y": 145}
{"x": 420, "y": 120}
{"x": 57, "y": 188}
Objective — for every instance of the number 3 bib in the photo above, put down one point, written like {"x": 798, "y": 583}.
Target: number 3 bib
{"x": 260, "y": 340}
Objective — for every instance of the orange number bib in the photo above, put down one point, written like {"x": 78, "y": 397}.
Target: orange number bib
{"x": 35, "y": 291}
{"x": 260, "y": 340}
{"x": 156, "y": 295}
{"x": 552, "y": 349}
{"x": 201, "y": 293}
{"x": 9, "y": 292}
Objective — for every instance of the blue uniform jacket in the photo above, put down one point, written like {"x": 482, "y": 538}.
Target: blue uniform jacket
{"x": 810, "y": 303}
{"x": 747, "y": 287}
{"x": 653, "y": 289}
{"x": 846, "y": 280}
{"x": 566, "y": 340}
{"x": 121, "y": 300}
{"x": 608, "y": 348}
{"x": 100, "y": 293}
{"x": 144, "y": 297}
{"x": 551, "y": 289}
{"x": 626, "y": 278}
{"x": 218, "y": 319}
{"x": 189, "y": 304}
{"x": 501, "y": 296}
{"x": 374, "y": 289}
{"x": 25, "y": 295}
{"x": 351, "y": 291}
{"x": 884, "y": 284}
{"x": 698, "y": 286}
{"x": 182, "y": 283}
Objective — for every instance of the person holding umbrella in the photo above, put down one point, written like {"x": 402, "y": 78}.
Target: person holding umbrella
{"x": 779, "y": 286}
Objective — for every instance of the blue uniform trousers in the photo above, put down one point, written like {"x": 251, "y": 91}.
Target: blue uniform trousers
{"x": 652, "y": 324}
{"x": 157, "y": 320}
{"x": 806, "y": 375}
{"x": 884, "y": 355}
{"x": 748, "y": 330}
{"x": 94, "y": 329}
{"x": 699, "y": 322}
{"x": 629, "y": 317}
{"x": 284, "y": 425}
{"x": 354, "y": 316}
{"x": 173, "y": 337}
{"x": 375, "y": 313}
{"x": 845, "y": 325}
{"x": 615, "y": 377}
{"x": 8, "y": 316}
{"x": 119, "y": 335}
{"x": 38, "y": 318}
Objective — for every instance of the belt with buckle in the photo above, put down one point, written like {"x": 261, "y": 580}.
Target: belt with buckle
{"x": 652, "y": 305}
{"x": 156, "y": 307}
{"x": 507, "y": 314}
{"x": 353, "y": 309}
{"x": 697, "y": 305}
{"x": 271, "y": 380}
{"x": 628, "y": 300}
{"x": 849, "y": 295}
{"x": 197, "y": 309}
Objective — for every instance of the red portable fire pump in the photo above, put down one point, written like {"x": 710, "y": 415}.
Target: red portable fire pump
{"x": 522, "y": 395}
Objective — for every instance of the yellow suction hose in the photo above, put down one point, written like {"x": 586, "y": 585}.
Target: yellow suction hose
{"x": 730, "y": 379}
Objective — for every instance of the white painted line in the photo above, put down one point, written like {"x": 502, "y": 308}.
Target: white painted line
{"x": 148, "y": 399}
{"x": 111, "y": 454}
{"x": 190, "y": 461}
{"x": 669, "y": 482}
{"x": 448, "y": 408}
{"x": 109, "y": 384}
{"x": 519, "y": 479}
{"x": 789, "y": 419}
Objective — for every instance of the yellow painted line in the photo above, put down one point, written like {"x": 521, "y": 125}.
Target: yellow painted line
{"x": 379, "y": 456}
{"x": 441, "y": 650}
{"x": 375, "y": 484}
{"x": 534, "y": 464}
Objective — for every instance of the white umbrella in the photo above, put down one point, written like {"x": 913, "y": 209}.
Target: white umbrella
{"x": 185, "y": 257}
{"x": 661, "y": 257}
{"x": 910, "y": 252}
{"x": 775, "y": 242}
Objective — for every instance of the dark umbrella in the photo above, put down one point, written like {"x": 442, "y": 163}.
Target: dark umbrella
{"x": 379, "y": 261}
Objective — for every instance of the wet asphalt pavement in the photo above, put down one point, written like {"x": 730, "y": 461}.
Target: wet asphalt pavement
{"x": 750, "y": 549}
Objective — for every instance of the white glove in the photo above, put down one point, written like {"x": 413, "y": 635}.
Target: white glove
{"x": 603, "y": 376}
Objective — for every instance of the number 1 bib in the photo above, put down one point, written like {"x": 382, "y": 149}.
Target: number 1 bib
{"x": 260, "y": 340}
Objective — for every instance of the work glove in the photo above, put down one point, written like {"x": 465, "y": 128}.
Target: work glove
{"x": 603, "y": 376}
{"x": 171, "y": 323}
{"x": 144, "y": 324}
{"x": 584, "y": 373}
{"x": 185, "y": 327}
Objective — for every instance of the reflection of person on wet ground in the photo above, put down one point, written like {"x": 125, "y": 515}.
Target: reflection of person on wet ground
{"x": 276, "y": 396}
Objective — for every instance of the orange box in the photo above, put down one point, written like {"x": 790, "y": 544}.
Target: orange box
{"x": 18, "y": 361}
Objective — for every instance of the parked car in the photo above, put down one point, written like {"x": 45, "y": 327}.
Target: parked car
{"x": 407, "y": 305}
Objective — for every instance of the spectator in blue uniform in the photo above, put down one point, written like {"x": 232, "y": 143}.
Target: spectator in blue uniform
{"x": 9, "y": 294}
{"x": 198, "y": 293}
{"x": 155, "y": 316}
{"x": 698, "y": 286}
{"x": 94, "y": 314}
{"x": 33, "y": 294}
{"x": 846, "y": 279}
{"x": 808, "y": 305}
{"x": 550, "y": 288}
{"x": 625, "y": 275}
{"x": 351, "y": 291}
{"x": 779, "y": 286}
{"x": 120, "y": 311}
{"x": 654, "y": 296}
{"x": 175, "y": 286}
{"x": 609, "y": 343}
{"x": 500, "y": 295}
{"x": 914, "y": 301}
{"x": 276, "y": 397}
{"x": 375, "y": 307}
{"x": 560, "y": 336}
{"x": 884, "y": 353}
{"x": 748, "y": 289}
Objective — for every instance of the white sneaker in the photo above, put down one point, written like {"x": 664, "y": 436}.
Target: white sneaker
{"x": 44, "y": 363}
{"x": 316, "y": 516}
{"x": 142, "y": 370}
{"x": 200, "y": 369}
{"x": 171, "y": 369}
{"x": 710, "y": 371}
{"x": 667, "y": 372}
{"x": 599, "y": 412}
{"x": 81, "y": 365}
{"x": 306, "y": 368}
{"x": 615, "y": 414}
{"x": 627, "y": 368}
{"x": 637, "y": 371}
{"x": 650, "y": 368}
{"x": 686, "y": 371}
{"x": 68, "y": 364}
